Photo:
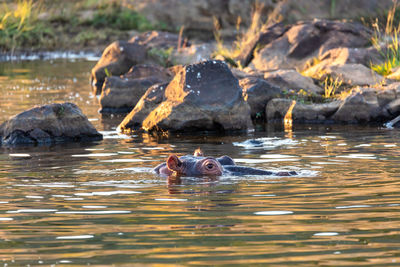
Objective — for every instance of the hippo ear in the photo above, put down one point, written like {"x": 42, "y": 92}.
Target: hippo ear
{"x": 198, "y": 153}
{"x": 174, "y": 163}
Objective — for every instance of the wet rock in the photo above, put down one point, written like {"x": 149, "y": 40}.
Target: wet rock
{"x": 302, "y": 113}
{"x": 305, "y": 40}
{"x": 120, "y": 56}
{"x": 54, "y": 123}
{"x": 292, "y": 80}
{"x": 257, "y": 93}
{"x": 120, "y": 94}
{"x": 354, "y": 74}
{"x": 361, "y": 106}
{"x": 203, "y": 96}
{"x": 149, "y": 101}
{"x": 393, "y": 108}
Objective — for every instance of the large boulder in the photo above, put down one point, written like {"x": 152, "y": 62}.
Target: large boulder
{"x": 53, "y": 123}
{"x": 258, "y": 92}
{"x": 202, "y": 96}
{"x": 298, "y": 43}
{"x": 120, "y": 94}
{"x": 120, "y": 56}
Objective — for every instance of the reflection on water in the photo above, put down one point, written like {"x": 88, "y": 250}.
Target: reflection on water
{"x": 100, "y": 204}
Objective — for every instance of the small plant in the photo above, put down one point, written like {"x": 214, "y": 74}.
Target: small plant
{"x": 230, "y": 54}
{"x": 21, "y": 26}
{"x": 301, "y": 96}
{"x": 331, "y": 85}
{"x": 119, "y": 17}
{"x": 389, "y": 40}
{"x": 162, "y": 56}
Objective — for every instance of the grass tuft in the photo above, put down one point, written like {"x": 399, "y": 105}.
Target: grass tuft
{"x": 388, "y": 39}
{"x": 330, "y": 86}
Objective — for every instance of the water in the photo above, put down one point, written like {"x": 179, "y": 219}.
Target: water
{"x": 100, "y": 204}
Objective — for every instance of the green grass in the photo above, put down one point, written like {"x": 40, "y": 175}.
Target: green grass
{"x": 330, "y": 86}
{"x": 21, "y": 26}
{"x": 40, "y": 24}
{"x": 388, "y": 39}
{"x": 119, "y": 17}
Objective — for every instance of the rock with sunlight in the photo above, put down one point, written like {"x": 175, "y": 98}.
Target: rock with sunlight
{"x": 118, "y": 58}
{"x": 204, "y": 96}
{"x": 120, "y": 94}
{"x": 294, "y": 45}
{"x": 48, "y": 124}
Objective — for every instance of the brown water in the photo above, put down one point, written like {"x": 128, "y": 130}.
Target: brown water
{"x": 100, "y": 204}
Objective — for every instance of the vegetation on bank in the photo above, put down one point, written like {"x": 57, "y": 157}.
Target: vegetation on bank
{"x": 51, "y": 25}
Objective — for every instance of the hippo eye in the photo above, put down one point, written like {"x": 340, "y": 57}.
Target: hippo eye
{"x": 209, "y": 166}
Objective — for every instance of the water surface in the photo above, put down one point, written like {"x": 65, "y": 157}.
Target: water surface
{"x": 100, "y": 204}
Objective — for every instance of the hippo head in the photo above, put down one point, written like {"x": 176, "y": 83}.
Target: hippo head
{"x": 194, "y": 166}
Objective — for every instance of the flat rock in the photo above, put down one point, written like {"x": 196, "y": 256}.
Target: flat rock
{"x": 277, "y": 109}
{"x": 53, "y": 123}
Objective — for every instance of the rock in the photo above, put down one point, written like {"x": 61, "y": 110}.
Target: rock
{"x": 354, "y": 74}
{"x": 361, "y": 106}
{"x": 203, "y": 96}
{"x": 120, "y": 56}
{"x": 316, "y": 67}
{"x": 264, "y": 37}
{"x": 393, "y": 108}
{"x": 257, "y": 93}
{"x": 149, "y": 101}
{"x": 120, "y": 94}
{"x": 53, "y": 123}
{"x": 395, "y": 75}
{"x": 305, "y": 40}
{"x": 116, "y": 60}
{"x": 292, "y": 80}
{"x": 302, "y": 113}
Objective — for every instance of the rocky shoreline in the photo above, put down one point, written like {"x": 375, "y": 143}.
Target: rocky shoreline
{"x": 282, "y": 65}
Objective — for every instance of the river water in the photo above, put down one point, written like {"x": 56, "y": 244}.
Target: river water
{"x": 100, "y": 204}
